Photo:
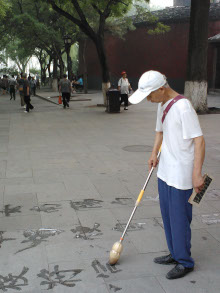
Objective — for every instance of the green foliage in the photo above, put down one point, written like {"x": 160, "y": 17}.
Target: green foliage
{"x": 9, "y": 70}
{"x": 159, "y": 29}
{"x": 34, "y": 71}
{"x": 145, "y": 15}
{"x": 4, "y": 7}
{"x": 32, "y": 27}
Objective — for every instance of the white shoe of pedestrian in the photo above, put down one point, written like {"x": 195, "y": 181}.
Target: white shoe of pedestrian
{"x": 125, "y": 108}
{"x": 25, "y": 111}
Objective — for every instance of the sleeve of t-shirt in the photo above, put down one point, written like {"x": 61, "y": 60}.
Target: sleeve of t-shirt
{"x": 190, "y": 124}
{"x": 159, "y": 126}
{"x": 119, "y": 82}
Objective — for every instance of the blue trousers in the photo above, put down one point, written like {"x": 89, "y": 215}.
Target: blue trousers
{"x": 177, "y": 216}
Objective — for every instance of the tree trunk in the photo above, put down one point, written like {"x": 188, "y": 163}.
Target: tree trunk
{"x": 104, "y": 66}
{"x": 54, "y": 83}
{"x": 196, "y": 83}
{"x": 41, "y": 70}
{"x": 85, "y": 76}
{"x": 43, "y": 76}
{"x": 48, "y": 67}
{"x": 49, "y": 72}
{"x": 55, "y": 68}
{"x": 61, "y": 63}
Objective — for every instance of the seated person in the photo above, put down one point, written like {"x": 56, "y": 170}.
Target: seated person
{"x": 79, "y": 83}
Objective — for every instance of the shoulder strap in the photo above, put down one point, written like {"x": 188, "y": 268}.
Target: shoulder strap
{"x": 168, "y": 107}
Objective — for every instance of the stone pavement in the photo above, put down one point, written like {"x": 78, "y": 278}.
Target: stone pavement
{"x": 68, "y": 183}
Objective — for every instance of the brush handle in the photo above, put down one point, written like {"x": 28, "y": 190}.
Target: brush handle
{"x": 139, "y": 198}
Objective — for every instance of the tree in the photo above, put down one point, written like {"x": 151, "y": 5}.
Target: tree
{"x": 40, "y": 29}
{"x": 19, "y": 53}
{"x": 91, "y": 17}
{"x": 4, "y": 7}
{"x": 196, "y": 83}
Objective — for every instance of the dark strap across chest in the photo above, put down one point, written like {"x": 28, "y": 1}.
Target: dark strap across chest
{"x": 168, "y": 107}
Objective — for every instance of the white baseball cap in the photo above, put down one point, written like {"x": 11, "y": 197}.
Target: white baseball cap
{"x": 150, "y": 81}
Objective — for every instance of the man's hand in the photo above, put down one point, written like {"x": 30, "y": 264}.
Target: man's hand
{"x": 153, "y": 161}
{"x": 198, "y": 182}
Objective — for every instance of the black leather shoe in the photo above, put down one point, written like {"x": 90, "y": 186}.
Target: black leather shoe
{"x": 165, "y": 260}
{"x": 178, "y": 272}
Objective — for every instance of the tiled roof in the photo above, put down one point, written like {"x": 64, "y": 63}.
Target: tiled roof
{"x": 215, "y": 39}
{"x": 180, "y": 14}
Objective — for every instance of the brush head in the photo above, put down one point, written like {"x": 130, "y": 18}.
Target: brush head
{"x": 115, "y": 253}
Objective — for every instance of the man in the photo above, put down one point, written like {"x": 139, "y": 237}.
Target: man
{"x": 12, "y": 85}
{"x": 26, "y": 90}
{"x": 33, "y": 86}
{"x": 180, "y": 166}
{"x": 79, "y": 83}
{"x": 37, "y": 81}
{"x": 124, "y": 87}
{"x": 5, "y": 84}
{"x": 21, "y": 89}
{"x": 65, "y": 89}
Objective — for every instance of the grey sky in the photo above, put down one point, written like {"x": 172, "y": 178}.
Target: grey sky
{"x": 162, "y": 2}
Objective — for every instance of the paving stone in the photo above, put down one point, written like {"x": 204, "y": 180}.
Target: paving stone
{"x": 3, "y": 165}
{"x": 82, "y": 273}
{"x": 50, "y": 188}
{"x": 18, "y": 169}
{"x": 20, "y": 222}
{"x": 1, "y": 194}
{"x": 140, "y": 285}
{"x": 26, "y": 202}
{"x": 47, "y": 176}
{"x": 80, "y": 185}
{"x": 63, "y": 216}
{"x": 146, "y": 235}
{"x": 215, "y": 232}
{"x": 135, "y": 266}
{"x": 66, "y": 171}
{"x": 142, "y": 212}
{"x": 193, "y": 283}
{"x": 110, "y": 187}
{"x": 22, "y": 155}
{"x": 204, "y": 246}
{"x": 97, "y": 215}
{"x": 31, "y": 262}
{"x": 3, "y": 147}
{"x": 16, "y": 181}
{"x": 205, "y": 208}
{"x": 3, "y": 156}
{"x": 215, "y": 204}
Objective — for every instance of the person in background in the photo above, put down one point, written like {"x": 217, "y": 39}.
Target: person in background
{"x": 5, "y": 84}
{"x": 124, "y": 87}
{"x": 73, "y": 82}
{"x": 26, "y": 90}
{"x": 33, "y": 86}
{"x": 79, "y": 83}
{"x": 12, "y": 86}
{"x": 65, "y": 88}
{"x": 21, "y": 89}
{"x": 37, "y": 81}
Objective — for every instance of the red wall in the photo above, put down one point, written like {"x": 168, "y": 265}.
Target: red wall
{"x": 140, "y": 52}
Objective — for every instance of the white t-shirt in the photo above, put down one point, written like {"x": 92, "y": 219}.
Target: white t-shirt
{"x": 179, "y": 128}
{"x": 124, "y": 84}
